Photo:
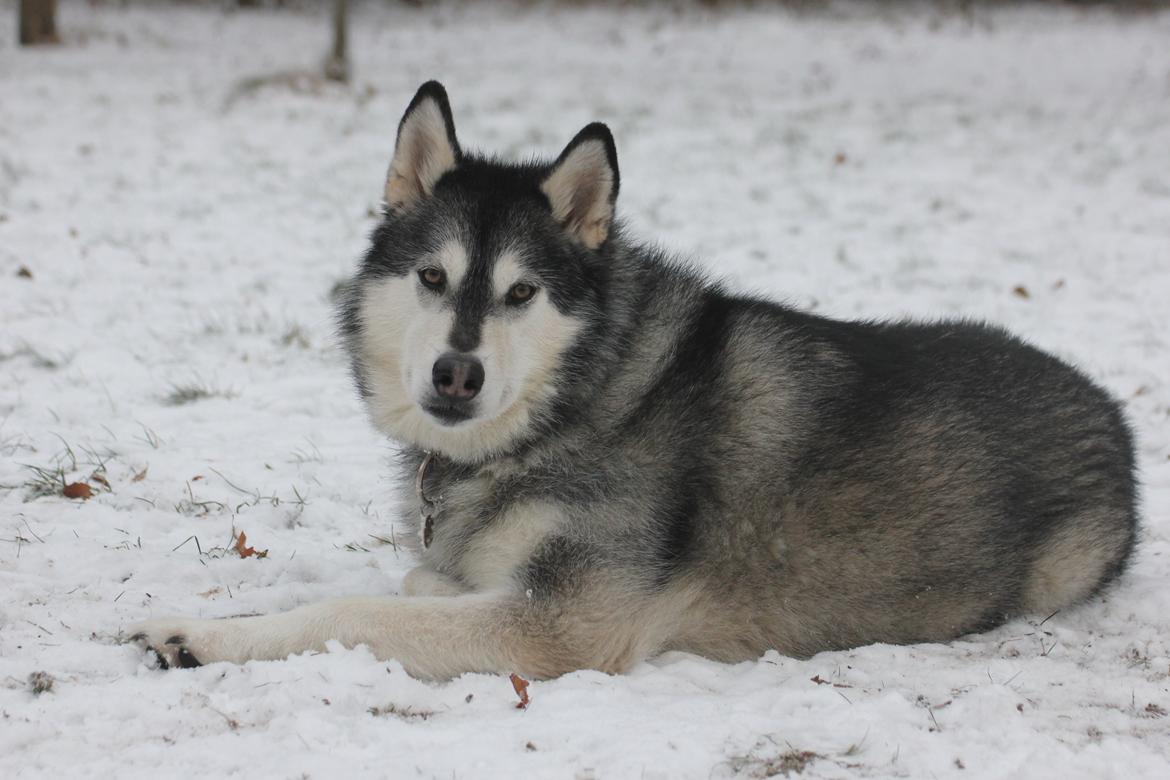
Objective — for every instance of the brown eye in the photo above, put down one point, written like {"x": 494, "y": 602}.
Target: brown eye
{"x": 520, "y": 293}
{"x": 433, "y": 278}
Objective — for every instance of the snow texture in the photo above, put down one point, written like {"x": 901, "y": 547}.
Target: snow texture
{"x": 185, "y": 201}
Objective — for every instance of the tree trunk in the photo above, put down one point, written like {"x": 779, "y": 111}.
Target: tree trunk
{"x": 38, "y": 22}
{"x": 337, "y": 65}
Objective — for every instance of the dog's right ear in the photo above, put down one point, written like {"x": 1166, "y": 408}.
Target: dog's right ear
{"x": 425, "y": 150}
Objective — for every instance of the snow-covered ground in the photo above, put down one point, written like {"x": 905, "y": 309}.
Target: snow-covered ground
{"x": 181, "y": 220}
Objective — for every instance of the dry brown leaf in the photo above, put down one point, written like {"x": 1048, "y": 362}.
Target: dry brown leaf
{"x": 140, "y": 475}
{"x": 822, "y": 681}
{"x": 1020, "y": 291}
{"x": 521, "y": 687}
{"x": 100, "y": 478}
{"x": 197, "y": 477}
{"x": 245, "y": 551}
{"x": 24, "y": 273}
{"x": 78, "y": 490}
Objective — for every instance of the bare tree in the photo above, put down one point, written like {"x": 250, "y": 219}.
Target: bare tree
{"x": 38, "y": 22}
{"x": 337, "y": 65}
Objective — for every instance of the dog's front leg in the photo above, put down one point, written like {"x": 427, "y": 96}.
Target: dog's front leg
{"x": 425, "y": 581}
{"x": 433, "y": 637}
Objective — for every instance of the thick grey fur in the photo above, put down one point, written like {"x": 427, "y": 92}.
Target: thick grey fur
{"x": 797, "y": 482}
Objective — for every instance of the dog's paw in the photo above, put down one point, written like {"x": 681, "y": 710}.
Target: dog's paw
{"x": 176, "y": 643}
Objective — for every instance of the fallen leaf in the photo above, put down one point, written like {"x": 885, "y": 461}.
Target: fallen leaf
{"x": 212, "y": 592}
{"x": 140, "y": 475}
{"x": 1059, "y": 285}
{"x": 23, "y": 272}
{"x": 822, "y": 681}
{"x": 1020, "y": 291}
{"x": 839, "y": 158}
{"x": 100, "y": 478}
{"x": 197, "y": 477}
{"x": 521, "y": 687}
{"x": 78, "y": 490}
{"x": 245, "y": 551}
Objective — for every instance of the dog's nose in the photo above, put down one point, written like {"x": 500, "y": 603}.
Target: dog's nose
{"x": 457, "y": 376}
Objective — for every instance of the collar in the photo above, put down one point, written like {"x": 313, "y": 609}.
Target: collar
{"x": 426, "y": 507}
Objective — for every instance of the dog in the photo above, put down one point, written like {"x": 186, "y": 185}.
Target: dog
{"x": 606, "y": 456}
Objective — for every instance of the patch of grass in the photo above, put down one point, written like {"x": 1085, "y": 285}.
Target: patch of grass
{"x": 360, "y": 547}
{"x": 149, "y": 437}
{"x": 40, "y": 682}
{"x": 312, "y": 454}
{"x": 193, "y": 391}
{"x": 10, "y": 445}
{"x": 45, "y": 481}
{"x": 20, "y": 540}
{"x": 792, "y": 761}
{"x": 193, "y": 506}
{"x": 37, "y": 358}
{"x": 298, "y": 502}
{"x": 402, "y": 713}
{"x": 52, "y": 479}
{"x": 788, "y": 763}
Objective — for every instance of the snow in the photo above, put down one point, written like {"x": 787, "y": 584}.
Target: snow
{"x": 184, "y": 226}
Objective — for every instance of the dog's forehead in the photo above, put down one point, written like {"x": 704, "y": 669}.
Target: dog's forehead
{"x": 482, "y": 273}
{"x": 490, "y": 252}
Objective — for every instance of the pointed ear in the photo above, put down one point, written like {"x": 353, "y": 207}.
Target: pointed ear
{"x": 583, "y": 185}
{"x": 426, "y": 147}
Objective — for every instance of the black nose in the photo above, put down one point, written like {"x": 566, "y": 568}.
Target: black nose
{"x": 457, "y": 376}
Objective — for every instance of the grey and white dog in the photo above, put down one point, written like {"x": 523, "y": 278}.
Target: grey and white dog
{"x": 607, "y": 456}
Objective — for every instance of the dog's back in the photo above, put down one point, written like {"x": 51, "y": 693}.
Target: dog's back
{"x": 908, "y": 482}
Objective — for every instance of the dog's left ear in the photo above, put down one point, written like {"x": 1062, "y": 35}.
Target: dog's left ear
{"x": 583, "y": 185}
{"x": 426, "y": 147}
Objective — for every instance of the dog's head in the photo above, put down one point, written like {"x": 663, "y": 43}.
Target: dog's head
{"x": 478, "y": 284}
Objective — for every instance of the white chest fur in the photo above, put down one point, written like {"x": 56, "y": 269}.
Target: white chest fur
{"x": 493, "y": 555}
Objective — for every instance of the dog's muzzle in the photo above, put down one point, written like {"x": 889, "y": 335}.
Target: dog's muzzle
{"x": 457, "y": 378}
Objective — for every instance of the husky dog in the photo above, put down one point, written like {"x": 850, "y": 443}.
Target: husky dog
{"x": 607, "y": 456}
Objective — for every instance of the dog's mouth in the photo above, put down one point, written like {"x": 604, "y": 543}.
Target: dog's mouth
{"x": 448, "y": 413}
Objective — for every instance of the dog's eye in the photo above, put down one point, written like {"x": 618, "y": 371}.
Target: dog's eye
{"x": 433, "y": 278}
{"x": 520, "y": 293}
